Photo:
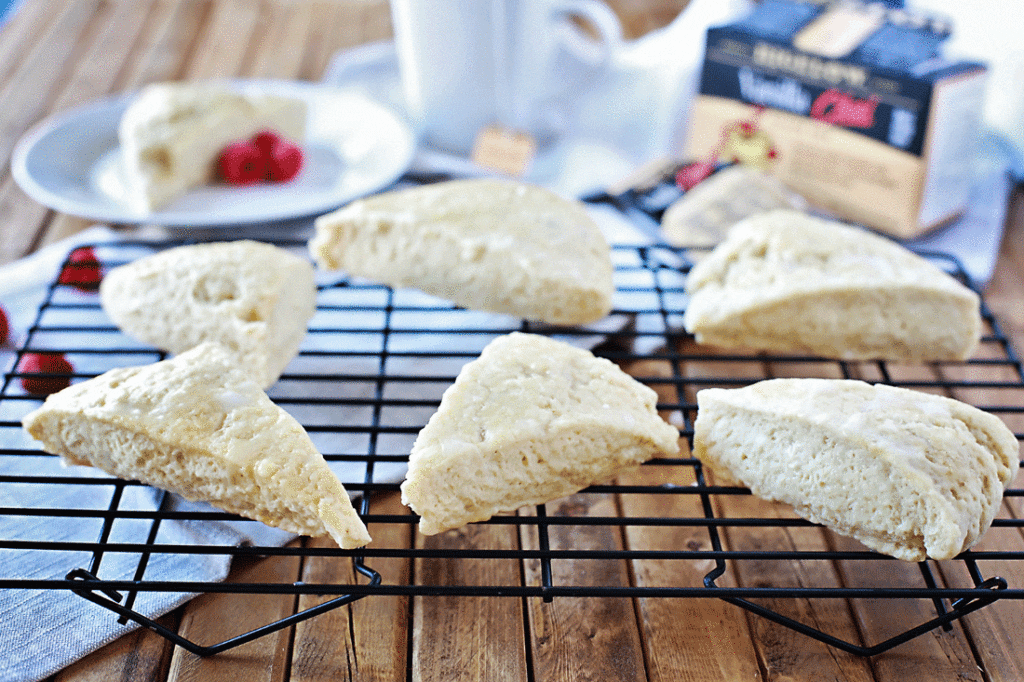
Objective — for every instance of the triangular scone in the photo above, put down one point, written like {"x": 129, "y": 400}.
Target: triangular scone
{"x": 704, "y": 214}
{"x": 907, "y": 473}
{"x": 495, "y": 245}
{"x": 784, "y": 281}
{"x": 529, "y": 421}
{"x": 198, "y": 426}
{"x": 172, "y": 133}
{"x": 254, "y": 298}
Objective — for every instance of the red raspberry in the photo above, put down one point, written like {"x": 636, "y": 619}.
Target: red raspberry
{"x": 690, "y": 176}
{"x": 82, "y": 270}
{"x": 285, "y": 161}
{"x": 5, "y": 326}
{"x": 40, "y": 364}
{"x": 241, "y": 163}
{"x": 265, "y": 142}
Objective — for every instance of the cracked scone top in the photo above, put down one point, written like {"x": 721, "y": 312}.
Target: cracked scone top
{"x": 172, "y": 133}
{"x": 909, "y": 474}
{"x": 494, "y": 245}
{"x": 529, "y": 421}
{"x": 254, "y": 298}
{"x": 198, "y": 426}
{"x": 784, "y": 281}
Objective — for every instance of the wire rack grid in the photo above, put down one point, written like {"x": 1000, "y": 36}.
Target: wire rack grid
{"x": 371, "y": 372}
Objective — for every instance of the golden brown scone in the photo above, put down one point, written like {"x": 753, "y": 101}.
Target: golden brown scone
{"x": 172, "y": 133}
{"x": 788, "y": 282}
{"x": 499, "y": 246}
{"x": 531, "y": 420}
{"x": 256, "y": 299}
{"x": 909, "y": 474}
{"x": 197, "y": 425}
{"x": 704, "y": 214}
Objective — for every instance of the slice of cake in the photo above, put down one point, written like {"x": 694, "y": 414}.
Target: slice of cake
{"x": 493, "y": 245}
{"x": 907, "y": 473}
{"x": 704, "y": 214}
{"x": 172, "y": 133}
{"x": 197, "y": 425}
{"x": 529, "y": 421}
{"x": 784, "y": 281}
{"x": 254, "y": 298}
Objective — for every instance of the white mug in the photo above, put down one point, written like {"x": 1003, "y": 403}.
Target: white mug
{"x": 468, "y": 64}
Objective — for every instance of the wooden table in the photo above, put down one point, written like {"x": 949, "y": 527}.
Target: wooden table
{"x": 55, "y": 55}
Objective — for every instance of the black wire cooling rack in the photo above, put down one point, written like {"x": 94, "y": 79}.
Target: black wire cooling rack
{"x": 369, "y": 375}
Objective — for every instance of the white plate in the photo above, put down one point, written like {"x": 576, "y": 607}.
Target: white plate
{"x": 354, "y": 146}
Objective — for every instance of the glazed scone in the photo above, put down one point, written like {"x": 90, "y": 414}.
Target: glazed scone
{"x": 172, "y": 133}
{"x": 198, "y": 426}
{"x": 907, "y": 473}
{"x": 494, "y": 245}
{"x": 254, "y": 298}
{"x": 784, "y": 281}
{"x": 704, "y": 214}
{"x": 529, "y": 421}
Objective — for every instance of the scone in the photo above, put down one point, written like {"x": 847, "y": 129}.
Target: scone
{"x": 909, "y": 474}
{"x": 494, "y": 245}
{"x": 704, "y": 214}
{"x": 784, "y": 281}
{"x": 531, "y": 420}
{"x": 254, "y": 298}
{"x": 172, "y": 133}
{"x": 198, "y": 426}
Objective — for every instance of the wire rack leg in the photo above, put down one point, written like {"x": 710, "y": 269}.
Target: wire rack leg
{"x": 111, "y": 600}
{"x": 960, "y": 608}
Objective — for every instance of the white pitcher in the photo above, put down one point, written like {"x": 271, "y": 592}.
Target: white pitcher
{"x": 468, "y": 64}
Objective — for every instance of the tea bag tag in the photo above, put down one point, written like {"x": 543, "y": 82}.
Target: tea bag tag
{"x": 508, "y": 151}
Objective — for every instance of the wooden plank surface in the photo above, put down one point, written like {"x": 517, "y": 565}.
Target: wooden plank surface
{"x": 457, "y": 637}
{"x": 368, "y": 640}
{"x": 54, "y": 56}
{"x": 693, "y": 639}
{"x": 216, "y": 617}
{"x": 582, "y": 638}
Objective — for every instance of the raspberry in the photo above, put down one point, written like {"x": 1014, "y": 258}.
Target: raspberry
{"x": 690, "y": 176}
{"x": 285, "y": 161}
{"x": 265, "y": 142}
{"x": 265, "y": 156}
{"x": 37, "y": 368}
{"x": 241, "y": 163}
{"x": 82, "y": 270}
{"x": 5, "y": 326}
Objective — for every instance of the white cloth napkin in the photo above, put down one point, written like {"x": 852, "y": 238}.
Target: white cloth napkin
{"x": 45, "y": 630}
